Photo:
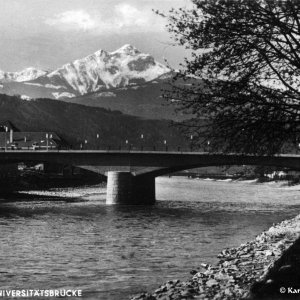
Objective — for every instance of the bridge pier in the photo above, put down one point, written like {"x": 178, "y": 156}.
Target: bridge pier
{"x": 125, "y": 188}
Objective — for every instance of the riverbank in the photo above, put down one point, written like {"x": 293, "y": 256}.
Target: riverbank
{"x": 281, "y": 182}
{"x": 39, "y": 181}
{"x": 82, "y": 192}
{"x": 265, "y": 268}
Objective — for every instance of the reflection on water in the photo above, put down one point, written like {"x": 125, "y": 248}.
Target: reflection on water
{"x": 111, "y": 252}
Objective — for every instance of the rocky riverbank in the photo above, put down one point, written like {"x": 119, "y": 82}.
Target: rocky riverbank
{"x": 264, "y": 268}
{"x": 88, "y": 192}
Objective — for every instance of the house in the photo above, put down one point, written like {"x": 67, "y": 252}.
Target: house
{"x": 10, "y": 139}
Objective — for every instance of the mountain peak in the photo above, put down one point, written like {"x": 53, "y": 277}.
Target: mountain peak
{"x": 127, "y": 49}
{"x": 100, "y": 53}
{"x": 99, "y": 71}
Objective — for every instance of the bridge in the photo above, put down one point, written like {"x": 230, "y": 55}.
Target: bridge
{"x": 131, "y": 174}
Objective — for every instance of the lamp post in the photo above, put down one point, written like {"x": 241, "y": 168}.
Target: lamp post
{"x": 191, "y": 145}
{"x": 166, "y": 146}
{"x": 47, "y": 141}
{"x": 85, "y": 143}
{"x": 51, "y": 137}
{"x": 97, "y": 136}
{"x": 6, "y": 129}
{"x": 208, "y": 143}
{"x": 142, "y": 139}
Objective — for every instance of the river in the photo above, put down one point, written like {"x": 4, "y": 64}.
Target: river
{"x": 113, "y": 252}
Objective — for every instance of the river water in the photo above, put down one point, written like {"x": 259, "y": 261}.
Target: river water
{"x": 113, "y": 252}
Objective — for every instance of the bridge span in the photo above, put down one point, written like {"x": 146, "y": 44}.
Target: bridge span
{"x": 131, "y": 174}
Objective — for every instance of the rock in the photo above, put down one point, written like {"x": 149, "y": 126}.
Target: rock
{"x": 202, "y": 297}
{"x": 245, "y": 263}
{"x": 246, "y": 255}
{"x": 225, "y": 264}
{"x": 160, "y": 290}
{"x": 186, "y": 294}
{"x": 211, "y": 282}
{"x": 208, "y": 272}
{"x": 269, "y": 253}
{"x": 233, "y": 267}
{"x": 221, "y": 276}
{"x": 165, "y": 297}
{"x": 144, "y": 296}
{"x": 227, "y": 292}
{"x": 198, "y": 275}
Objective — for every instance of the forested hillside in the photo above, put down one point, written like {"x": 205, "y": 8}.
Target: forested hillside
{"x": 76, "y": 123}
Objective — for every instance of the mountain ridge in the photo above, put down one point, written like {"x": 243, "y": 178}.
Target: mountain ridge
{"x": 26, "y": 74}
{"x": 100, "y": 71}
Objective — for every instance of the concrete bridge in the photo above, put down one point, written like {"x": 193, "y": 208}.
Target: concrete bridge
{"x": 131, "y": 174}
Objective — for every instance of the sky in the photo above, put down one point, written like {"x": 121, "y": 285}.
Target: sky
{"x": 48, "y": 33}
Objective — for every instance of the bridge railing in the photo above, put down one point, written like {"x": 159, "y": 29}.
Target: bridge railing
{"x": 163, "y": 148}
{"x": 159, "y": 148}
{"x": 126, "y": 148}
{"x": 146, "y": 148}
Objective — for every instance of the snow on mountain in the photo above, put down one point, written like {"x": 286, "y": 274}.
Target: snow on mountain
{"x": 21, "y": 76}
{"x": 63, "y": 95}
{"x": 104, "y": 70}
{"x": 100, "y": 72}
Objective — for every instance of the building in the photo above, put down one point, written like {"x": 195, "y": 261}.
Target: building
{"x": 13, "y": 139}
{"x": 30, "y": 141}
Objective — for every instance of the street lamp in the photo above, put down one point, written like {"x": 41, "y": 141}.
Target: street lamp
{"x": 191, "y": 145}
{"x": 165, "y": 142}
{"x": 142, "y": 138}
{"x": 47, "y": 141}
{"x": 5, "y": 138}
{"x": 97, "y": 136}
{"x": 208, "y": 143}
{"x": 6, "y": 130}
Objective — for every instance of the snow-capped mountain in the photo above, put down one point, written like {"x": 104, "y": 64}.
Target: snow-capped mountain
{"x": 102, "y": 71}
{"x": 21, "y": 76}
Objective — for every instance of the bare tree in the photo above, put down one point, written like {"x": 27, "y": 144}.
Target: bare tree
{"x": 242, "y": 82}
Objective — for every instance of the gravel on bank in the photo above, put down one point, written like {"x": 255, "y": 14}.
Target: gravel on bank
{"x": 255, "y": 270}
{"x": 67, "y": 193}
